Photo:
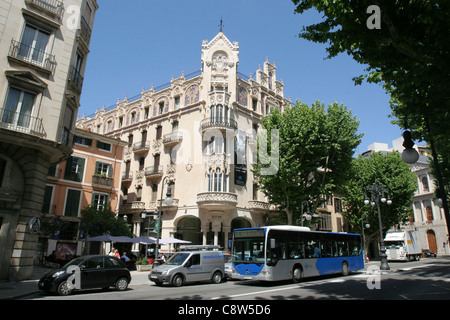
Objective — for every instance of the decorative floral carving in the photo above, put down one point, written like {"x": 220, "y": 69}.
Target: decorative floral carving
{"x": 192, "y": 95}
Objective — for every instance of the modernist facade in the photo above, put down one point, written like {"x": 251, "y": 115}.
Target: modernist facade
{"x": 43, "y": 50}
{"x": 91, "y": 176}
{"x": 198, "y": 134}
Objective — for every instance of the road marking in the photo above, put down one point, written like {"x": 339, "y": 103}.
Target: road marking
{"x": 257, "y": 292}
{"x": 416, "y": 267}
{"x": 297, "y": 286}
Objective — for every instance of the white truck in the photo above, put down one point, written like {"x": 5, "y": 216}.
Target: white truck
{"x": 403, "y": 245}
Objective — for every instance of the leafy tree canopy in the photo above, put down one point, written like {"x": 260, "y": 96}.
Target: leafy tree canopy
{"x": 390, "y": 171}
{"x": 102, "y": 221}
{"x": 315, "y": 150}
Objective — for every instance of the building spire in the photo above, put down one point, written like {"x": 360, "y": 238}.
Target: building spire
{"x": 221, "y": 24}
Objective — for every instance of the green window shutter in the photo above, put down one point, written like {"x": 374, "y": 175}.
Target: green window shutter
{"x": 72, "y": 203}
{"x": 80, "y": 170}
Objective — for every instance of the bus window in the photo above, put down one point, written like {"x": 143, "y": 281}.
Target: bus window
{"x": 342, "y": 247}
{"x": 328, "y": 249}
{"x": 355, "y": 246}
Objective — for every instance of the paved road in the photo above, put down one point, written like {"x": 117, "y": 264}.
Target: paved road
{"x": 426, "y": 279}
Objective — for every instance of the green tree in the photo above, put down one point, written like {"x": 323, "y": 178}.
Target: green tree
{"x": 314, "y": 149}
{"x": 99, "y": 222}
{"x": 408, "y": 54}
{"x": 390, "y": 171}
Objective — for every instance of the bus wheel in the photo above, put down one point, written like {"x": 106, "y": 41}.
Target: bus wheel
{"x": 345, "y": 269}
{"x": 297, "y": 274}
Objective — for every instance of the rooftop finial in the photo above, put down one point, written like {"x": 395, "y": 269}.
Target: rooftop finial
{"x": 221, "y": 24}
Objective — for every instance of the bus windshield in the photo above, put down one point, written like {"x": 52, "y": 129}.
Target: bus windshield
{"x": 248, "y": 250}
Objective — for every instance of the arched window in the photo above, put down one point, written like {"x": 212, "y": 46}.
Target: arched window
{"x": 425, "y": 184}
{"x": 429, "y": 214}
{"x": 210, "y": 180}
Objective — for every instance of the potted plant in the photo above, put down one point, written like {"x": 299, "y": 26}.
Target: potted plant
{"x": 143, "y": 265}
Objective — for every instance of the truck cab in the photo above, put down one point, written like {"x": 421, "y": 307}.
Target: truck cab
{"x": 403, "y": 245}
{"x": 191, "y": 264}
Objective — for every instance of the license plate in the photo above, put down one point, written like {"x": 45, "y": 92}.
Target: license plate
{"x": 248, "y": 278}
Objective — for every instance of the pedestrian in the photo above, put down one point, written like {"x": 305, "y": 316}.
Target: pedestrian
{"x": 125, "y": 257}
{"x": 112, "y": 252}
{"x": 116, "y": 254}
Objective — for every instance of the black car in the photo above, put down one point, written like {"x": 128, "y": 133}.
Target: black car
{"x": 88, "y": 272}
{"x": 429, "y": 253}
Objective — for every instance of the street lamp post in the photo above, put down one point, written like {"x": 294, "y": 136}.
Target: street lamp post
{"x": 308, "y": 215}
{"x": 168, "y": 201}
{"x": 377, "y": 192}
{"x": 144, "y": 215}
{"x": 364, "y": 222}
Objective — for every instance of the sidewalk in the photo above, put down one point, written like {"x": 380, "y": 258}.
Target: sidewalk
{"x": 16, "y": 290}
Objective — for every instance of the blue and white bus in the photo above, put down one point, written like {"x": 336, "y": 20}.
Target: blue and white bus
{"x": 277, "y": 253}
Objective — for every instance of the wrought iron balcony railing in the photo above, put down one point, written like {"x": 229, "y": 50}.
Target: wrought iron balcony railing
{"x": 22, "y": 123}
{"x": 54, "y": 7}
{"x": 33, "y": 56}
{"x": 76, "y": 78}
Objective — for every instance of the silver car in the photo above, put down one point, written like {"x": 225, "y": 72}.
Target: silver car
{"x": 190, "y": 266}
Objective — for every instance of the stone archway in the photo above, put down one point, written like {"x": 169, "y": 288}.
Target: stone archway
{"x": 190, "y": 229}
{"x": 239, "y": 223}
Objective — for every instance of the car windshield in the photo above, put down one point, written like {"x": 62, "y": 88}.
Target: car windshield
{"x": 177, "y": 259}
{"x": 74, "y": 262}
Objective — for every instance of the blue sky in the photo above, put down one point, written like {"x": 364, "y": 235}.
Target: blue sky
{"x": 138, "y": 43}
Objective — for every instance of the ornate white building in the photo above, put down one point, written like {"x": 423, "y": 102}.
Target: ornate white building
{"x": 197, "y": 133}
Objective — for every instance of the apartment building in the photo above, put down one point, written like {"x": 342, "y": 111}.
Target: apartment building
{"x": 44, "y": 45}
{"x": 91, "y": 176}
{"x": 428, "y": 215}
{"x": 198, "y": 134}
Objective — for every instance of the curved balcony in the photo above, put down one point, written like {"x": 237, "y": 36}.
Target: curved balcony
{"x": 154, "y": 172}
{"x": 141, "y": 147}
{"x": 155, "y": 205}
{"x": 212, "y": 123}
{"x": 217, "y": 200}
{"x": 258, "y": 206}
{"x": 133, "y": 207}
{"x": 172, "y": 139}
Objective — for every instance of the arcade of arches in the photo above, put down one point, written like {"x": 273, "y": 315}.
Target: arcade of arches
{"x": 190, "y": 228}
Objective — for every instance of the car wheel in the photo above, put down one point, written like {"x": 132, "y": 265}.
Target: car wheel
{"x": 121, "y": 284}
{"x": 177, "y": 280}
{"x": 217, "y": 277}
{"x": 63, "y": 289}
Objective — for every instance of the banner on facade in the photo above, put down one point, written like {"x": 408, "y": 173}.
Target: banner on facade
{"x": 240, "y": 159}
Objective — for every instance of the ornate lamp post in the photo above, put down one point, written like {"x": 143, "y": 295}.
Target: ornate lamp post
{"x": 168, "y": 201}
{"x": 308, "y": 215}
{"x": 377, "y": 192}
{"x": 364, "y": 222}
{"x": 144, "y": 214}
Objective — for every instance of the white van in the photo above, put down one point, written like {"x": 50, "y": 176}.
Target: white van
{"x": 190, "y": 266}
